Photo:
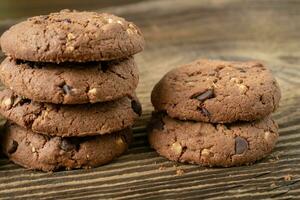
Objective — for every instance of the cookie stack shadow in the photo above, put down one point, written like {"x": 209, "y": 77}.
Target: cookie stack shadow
{"x": 215, "y": 113}
{"x": 70, "y": 83}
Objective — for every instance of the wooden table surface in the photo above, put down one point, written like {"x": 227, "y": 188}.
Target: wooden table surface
{"x": 177, "y": 32}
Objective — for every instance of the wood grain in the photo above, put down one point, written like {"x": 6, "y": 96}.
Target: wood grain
{"x": 178, "y": 32}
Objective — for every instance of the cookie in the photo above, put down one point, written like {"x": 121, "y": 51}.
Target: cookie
{"x": 209, "y": 144}
{"x": 72, "y": 36}
{"x": 71, "y": 83}
{"x": 217, "y": 91}
{"x": 69, "y": 120}
{"x": 40, "y": 152}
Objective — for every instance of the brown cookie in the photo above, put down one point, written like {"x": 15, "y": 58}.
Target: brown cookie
{"x": 70, "y": 120}
{"x": 72, "y": 36}
{"x": 40, "y": 152}
{"x": 71, "y": 83}
{"x": 212, "y": 144}
{"x": 217, "y": 91}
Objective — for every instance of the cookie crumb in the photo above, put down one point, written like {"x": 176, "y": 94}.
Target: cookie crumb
{"x": 273, "y": 185}
{"x": 288, "y": 177}
{"x": 274, "y": 158}
{"x": 179, "y": 172}
{"x": 162, "y": 168}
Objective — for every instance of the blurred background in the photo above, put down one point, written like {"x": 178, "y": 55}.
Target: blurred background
{"x": 25, "y": 8}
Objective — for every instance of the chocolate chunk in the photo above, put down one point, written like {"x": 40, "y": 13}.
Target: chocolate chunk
{"x": 67, "y": 89}
{"x": 24, "y": 101}
{"x": 204, "y": 111}
{"x": 67, "y": 145}
{"x": 241, "y": 145}
{"x": 13, "y": 147}
{"x": 205, "y": 95}
{"x": 136, "y": 106}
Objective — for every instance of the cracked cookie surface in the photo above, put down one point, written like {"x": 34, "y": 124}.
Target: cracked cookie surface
{"x": 70, "y": 120}
{"x": 71, "y": 83}
{"x": 72, "y": 36}
{"x": 217, "y": 91}
{"x": 209, "y": 144}
{"x": 40, "y": 152}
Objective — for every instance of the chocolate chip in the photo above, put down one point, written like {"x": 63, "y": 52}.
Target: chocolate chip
{"x": 241, "y": 145}
{"x": 67, "y": 89}
{"x": 205, "y": 95}
{"x": 205, "y": 112}
{"x": 24, "y": 101}
{"x": 136, "y": 106}
{"x": 13, "y": 147}
{"x": 68, "y": 145}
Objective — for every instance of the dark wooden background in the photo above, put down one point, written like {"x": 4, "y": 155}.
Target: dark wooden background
{"x": 179, "y": 31}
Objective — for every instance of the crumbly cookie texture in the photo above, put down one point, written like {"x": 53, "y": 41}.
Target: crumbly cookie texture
{"x": 40, "y": 152}
{"x": 72, "y": 36}
{"x": 71, "y": 83}
{"x": 207, "y": 144}
{"x": 70, "y": 120}
{"x": 217, "y": 91}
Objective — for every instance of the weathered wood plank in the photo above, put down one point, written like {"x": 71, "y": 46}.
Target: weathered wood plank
{"x": 178, "y": 32}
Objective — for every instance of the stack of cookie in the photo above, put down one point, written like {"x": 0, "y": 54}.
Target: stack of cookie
{"x": 70, "y": 79}
{"x": 215, "y": 113}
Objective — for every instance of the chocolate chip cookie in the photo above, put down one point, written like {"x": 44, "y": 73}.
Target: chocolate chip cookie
{"x": 69, "y": 120}
{"x": 72, "y": 36}
{"x": 71, "y": 83}
{"x": 41, "y": 152}
{"x": 212, "y": 144}
{"x": 217, "y": 91}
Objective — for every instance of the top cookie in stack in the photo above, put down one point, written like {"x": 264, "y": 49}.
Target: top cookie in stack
{"x": 70, "y": 36}
{"x": 78, "y": 58}
{"x": 215, "y": 113}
